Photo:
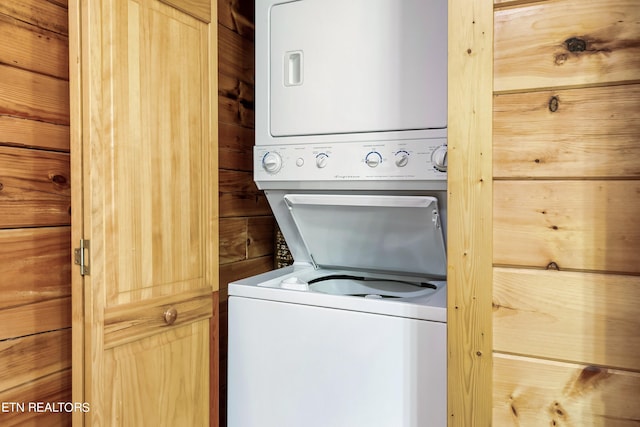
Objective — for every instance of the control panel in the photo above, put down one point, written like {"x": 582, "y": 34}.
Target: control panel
{"x": 418, "y": 159}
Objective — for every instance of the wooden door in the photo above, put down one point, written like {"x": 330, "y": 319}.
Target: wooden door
{"x": 144, "y": 171}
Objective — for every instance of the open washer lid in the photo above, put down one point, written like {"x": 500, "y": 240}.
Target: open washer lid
{"x": 399, "y": 234}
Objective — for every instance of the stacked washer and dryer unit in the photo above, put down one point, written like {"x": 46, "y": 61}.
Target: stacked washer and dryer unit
{"x": 351, "y": 152}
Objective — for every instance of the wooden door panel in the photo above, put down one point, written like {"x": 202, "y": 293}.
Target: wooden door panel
{"x": 144, "y": 134}
{"x": 159, "y": 381}
{"x": 130, "y": 322}
{"x": 158, "y": 63}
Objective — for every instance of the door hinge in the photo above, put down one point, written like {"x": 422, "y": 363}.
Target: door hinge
{"x": 81, "y": 257}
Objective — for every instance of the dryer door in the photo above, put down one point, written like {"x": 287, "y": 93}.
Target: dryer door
{"x": 357, "y": 66}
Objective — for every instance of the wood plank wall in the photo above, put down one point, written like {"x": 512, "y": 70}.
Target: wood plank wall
{"x": 35, "y": 237}
{"x": 566, "y": 147}
{"x": 246, "y": 221}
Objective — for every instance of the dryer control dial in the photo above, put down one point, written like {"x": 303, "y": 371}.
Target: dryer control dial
{"x": 373, "y": 159}
{"x": 402, "y": 159}
{"x": 321, "y": 160}
{"x": 439, "y": 158}
{"x": 272, "y": 162}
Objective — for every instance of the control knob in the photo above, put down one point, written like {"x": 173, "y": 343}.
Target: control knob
{"x": 402, "y": 159}
{"x": 439, "y": 158}
{"x": 373, "y": 159}
{"x": 321, "y": 160}
{"x": 272, "y": 162}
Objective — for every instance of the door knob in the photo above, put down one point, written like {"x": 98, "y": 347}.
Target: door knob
{"x": 170, "y": 315}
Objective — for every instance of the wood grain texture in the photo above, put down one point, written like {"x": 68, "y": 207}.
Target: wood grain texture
{"x": 34, "y": 188}
{"x": 507, "y": 3}
{"x": 239, "y": 195}
{"x": 24, "y": 359}
{"x": 241, "y": 270}
{"x": 233, "y": 240}
{"x": 238, "y": 16}
{"x": 43, "y": 14}
{"x": 36, "y": 265}
{"x": 238, "y": 97}
{"x": 573, "y": 316}
{"x": 29, "y": 95}
{"x": 246, "y": 232}
{"x": 33, "y": 134}
{"x": 77, "y": 206}
{"x": 236, "y": 102}
{"x": 214, "y": 364}
{"x": 244, "y": 238}
{"x": 567, "y": 43}
{"x": 200, "y": 9}
{"x": 145, "y": 130}
{"x": 236, "y": 147}
{"x": 31, "y": 48}
{"x": 533, "y": 392}
{"x": 237, "y": 56}
{"x": 578, "y": 225}
{"x": 61, "y": 3}
{"x": 173, "y": 367}
{"x": 587, "y": 132}
{"x": 34, "y": 318}
{"x": 55, "y": 387}
{"x": 260, "y": 232}
{"x": 127, "y": 323}
{"x": 469, "y": 272}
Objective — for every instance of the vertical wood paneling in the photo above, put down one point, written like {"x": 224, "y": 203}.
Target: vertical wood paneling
{"x": 469, "y": 216}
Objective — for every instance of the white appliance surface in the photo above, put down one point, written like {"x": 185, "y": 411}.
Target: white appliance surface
{"x": 351, "y": 151}
{"x": 314, "y": 359}
{"x": 357, "y": 70}
{"x": 328, "y": 59}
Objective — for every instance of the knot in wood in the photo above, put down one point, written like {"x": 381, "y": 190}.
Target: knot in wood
{"x": 575, "y": 44}
{"x": 554, "y": 104}
{"x": 59, "y": 179}
{"x": 553, "y": 266}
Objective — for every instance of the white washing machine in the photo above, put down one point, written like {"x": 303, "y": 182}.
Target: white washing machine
{"x": 354, "y": 333}
{"x": 351, "y": 152}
